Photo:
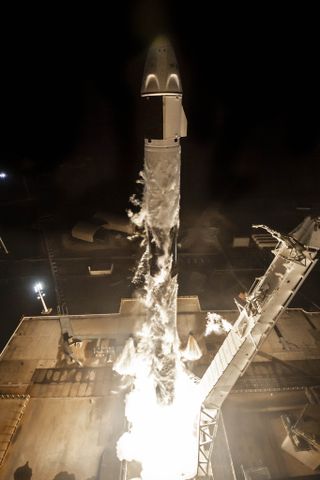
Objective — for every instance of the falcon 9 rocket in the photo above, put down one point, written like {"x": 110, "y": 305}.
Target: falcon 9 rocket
{"x": 165, "y": 124}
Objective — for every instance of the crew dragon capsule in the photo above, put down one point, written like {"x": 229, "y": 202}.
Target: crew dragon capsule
{"x": 164, "y": 124}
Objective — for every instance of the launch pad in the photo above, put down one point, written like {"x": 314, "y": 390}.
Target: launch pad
{"x": 63, "y": 417}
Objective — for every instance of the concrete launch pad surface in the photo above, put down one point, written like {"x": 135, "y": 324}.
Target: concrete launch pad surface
{"x": 75, "y": 413}
{"x": 64, "y": 434}
{"x": 255, "y": 439}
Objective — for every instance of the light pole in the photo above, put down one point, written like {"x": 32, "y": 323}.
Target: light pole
{"x": 39, "y": 290}
{"x": 3, "y": 175}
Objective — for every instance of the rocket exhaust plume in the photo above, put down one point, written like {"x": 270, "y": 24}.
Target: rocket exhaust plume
{"x": 216, "y": 324}
{"x": 160, "y": 420}
{"x": 192, "y": 351}
{"x": 124, "y": 364}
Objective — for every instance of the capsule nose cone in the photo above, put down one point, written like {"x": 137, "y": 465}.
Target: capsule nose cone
{"x": 161, "y": 74}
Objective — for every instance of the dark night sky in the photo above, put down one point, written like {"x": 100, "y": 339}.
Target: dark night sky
{"x": 70, "y": 97}
{"x": 71, "y": 136}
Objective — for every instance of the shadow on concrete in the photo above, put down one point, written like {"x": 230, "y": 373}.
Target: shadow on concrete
{"x": 64, "y": 476}
{"x": 23, "y": 473}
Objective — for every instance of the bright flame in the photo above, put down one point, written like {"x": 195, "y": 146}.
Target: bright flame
{"x": 163, "y": 438}
{"x": 216, "y": 324}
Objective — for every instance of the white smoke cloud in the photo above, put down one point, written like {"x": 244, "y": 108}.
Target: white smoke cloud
{"x": 216, "y": 324}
